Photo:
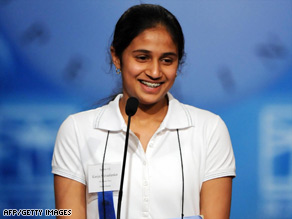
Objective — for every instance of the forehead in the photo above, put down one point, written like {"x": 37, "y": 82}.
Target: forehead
{"x": 154, "y": 38}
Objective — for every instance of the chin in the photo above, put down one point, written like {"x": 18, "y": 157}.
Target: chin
{"x": 151, "y": 100}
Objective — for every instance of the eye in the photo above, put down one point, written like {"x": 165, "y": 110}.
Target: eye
{"x": 142, "y": 58}
{"x": 167, "y": 61}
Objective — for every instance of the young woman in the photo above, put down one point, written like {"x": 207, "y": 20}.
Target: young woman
{"x": 180, "y": 159}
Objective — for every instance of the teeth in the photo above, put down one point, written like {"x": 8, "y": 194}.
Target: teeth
{"x": 149, "y": 84}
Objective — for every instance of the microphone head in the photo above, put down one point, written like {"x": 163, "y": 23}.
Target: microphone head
{"x": 132, "y": 106}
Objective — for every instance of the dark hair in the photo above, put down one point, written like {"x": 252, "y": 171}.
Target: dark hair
{"x": 141, "y": 17}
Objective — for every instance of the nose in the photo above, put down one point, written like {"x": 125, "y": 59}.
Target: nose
{"x": 154, "y": 70}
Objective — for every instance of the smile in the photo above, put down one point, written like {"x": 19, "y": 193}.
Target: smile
{"x": 149, "y": 84}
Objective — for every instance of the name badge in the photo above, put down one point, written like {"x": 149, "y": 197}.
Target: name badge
{"x": 112, "y": 177}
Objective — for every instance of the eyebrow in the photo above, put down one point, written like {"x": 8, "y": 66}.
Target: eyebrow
{"x": 148, "y": 52}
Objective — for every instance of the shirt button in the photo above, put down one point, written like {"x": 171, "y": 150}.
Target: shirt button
{"x": 145, "y": 199}
{"x": 144, "y": 163}
{"x": 145, "y": 183}
{"x": 145, "y": 214}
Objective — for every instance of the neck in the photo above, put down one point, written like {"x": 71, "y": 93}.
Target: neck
{"x": 154, "y": 112}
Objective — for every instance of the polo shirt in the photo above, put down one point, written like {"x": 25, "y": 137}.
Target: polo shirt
{"x": 153, "y": 179}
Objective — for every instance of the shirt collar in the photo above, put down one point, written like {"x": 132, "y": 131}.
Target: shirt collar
{"x": 110, "y": 118}
{"x": 177, "y": 116}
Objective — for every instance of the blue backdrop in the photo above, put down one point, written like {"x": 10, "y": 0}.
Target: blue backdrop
{"x": 54, "y": 61}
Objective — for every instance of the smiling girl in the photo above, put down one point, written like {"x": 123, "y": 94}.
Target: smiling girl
{"x": 180, "y": 158}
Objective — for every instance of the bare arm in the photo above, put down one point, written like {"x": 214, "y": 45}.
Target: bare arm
{"x": 216, "y": 198}
{"x": 70, "y": 194}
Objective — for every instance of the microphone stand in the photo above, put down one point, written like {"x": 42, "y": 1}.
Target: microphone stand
{"x": 123, "y": 169}
{"x": 131, "y": 109}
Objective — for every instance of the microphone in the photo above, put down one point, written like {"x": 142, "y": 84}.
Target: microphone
{"x": 132, "y": 106}
{"x": 131, "y": 109}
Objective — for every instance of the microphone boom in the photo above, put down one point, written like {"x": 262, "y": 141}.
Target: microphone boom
{"x": 131, "y": 109}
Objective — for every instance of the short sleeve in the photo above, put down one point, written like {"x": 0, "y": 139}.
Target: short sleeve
{"x": 220, "y": 161}
{"x": 66, "y": 160}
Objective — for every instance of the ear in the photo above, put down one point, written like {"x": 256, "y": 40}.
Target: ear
{"x": 115, "y": 58}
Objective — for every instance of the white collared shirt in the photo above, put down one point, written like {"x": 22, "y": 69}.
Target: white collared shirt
{"x": 153, "y": 180}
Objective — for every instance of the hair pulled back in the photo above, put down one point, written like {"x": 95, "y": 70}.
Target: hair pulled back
{"x": 141, "y": 17}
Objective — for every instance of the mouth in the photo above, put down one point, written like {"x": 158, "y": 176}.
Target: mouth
{"x": 151, "y": 84}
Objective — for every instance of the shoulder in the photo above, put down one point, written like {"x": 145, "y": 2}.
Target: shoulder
{"x": 84, "y": 119}
{"x": 182, "y": 115}
{"x": 194, "y": 114}
{"x": 208, "y": 121}
{"x": 198, "y": 113}
{"x": 88, "y": 115}
{"x": 106, "y": 117}
{"x": 212, "y": 128}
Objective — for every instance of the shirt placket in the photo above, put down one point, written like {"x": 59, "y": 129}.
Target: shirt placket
{"x": 145, "y": 208}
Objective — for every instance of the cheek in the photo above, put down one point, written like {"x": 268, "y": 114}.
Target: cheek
{"x": 129, "y": 75}
{"x": 171, "y": 73}
{"x": 132, "y": 69}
